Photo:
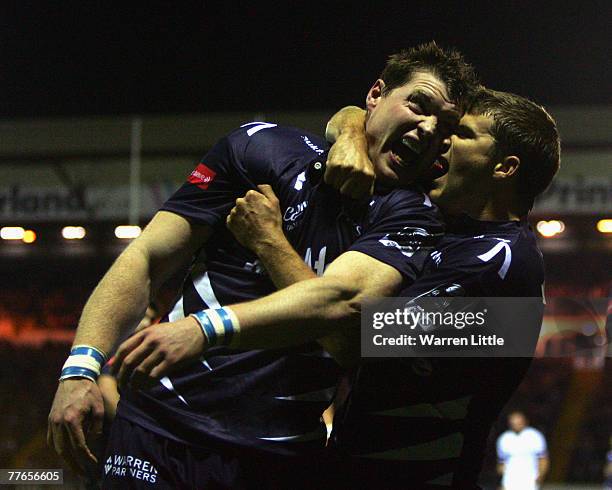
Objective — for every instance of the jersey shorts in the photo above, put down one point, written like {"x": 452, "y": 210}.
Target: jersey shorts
{"x": 144, "y": 460}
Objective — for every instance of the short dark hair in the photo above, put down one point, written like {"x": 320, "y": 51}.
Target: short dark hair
{"x": 524, "y": 129}
{"x": 445, "y": 63}
{"x": 517, "y": 412}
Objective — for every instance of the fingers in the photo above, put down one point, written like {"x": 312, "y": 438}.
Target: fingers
{"x": 132, "y": 361}
{"x": 97, "y": 421}
{"x": 60, "y": 439}
{"x": 74, "y": 427}
{"x": 334, "y": 175}
{"x": 50, "y": 434}
{"x": 353, "y": 183}
{"x": 160, "y": 370}
{"x": 230, "y": 217}
{"x": 64, "y": 449}
{"x": 77, "y": 408}
{"x": 125, "y": 348}
{"x": 267, "y": 191}
{"x": 143, "y": 375}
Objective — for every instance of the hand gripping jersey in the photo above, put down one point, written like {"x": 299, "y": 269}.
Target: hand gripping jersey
{"x": 424, "y": 422}
{"x": 270, "y": 399}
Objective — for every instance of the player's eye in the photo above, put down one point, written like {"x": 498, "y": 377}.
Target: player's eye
{"x": 464, "y": 132}
{"x": 415, "y": 107}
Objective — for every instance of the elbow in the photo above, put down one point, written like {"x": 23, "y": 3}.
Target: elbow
{"x": 344, "y": 303}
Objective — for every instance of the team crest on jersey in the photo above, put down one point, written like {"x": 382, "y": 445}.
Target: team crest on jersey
{"x": 202, "y": 176}
{"x": 407, "y": 241}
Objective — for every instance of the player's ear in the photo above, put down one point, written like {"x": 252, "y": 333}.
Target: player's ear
{"x": 375, "y": 94}
{"x": 507, "y": 168}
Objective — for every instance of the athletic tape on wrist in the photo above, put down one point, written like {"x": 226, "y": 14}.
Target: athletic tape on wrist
{"x": 84, "y": 361}
{"x": 220, "y": 326}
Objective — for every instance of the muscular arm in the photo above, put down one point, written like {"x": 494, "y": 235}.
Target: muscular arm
{"x": 122, "y": 296}
{"x": 299, "y": 313}
{"x": 349, "y": 168}
{"x": 349, "y": 120}
{"x": 117, "y": 303}
{"x": 311, "y": 309}
{"x": 256, "y": 222}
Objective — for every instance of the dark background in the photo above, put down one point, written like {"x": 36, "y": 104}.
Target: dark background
{"x": 103, "y": 57}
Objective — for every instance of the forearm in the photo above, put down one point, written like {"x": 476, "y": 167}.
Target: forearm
{"x": 283, "y": 264}
{"x": 542, "y": 467}
{"x": 118, "y": 302}
{"x": 299, "y": 313}
{"x": 316, "y": 308}
{"x": 122, "y": 296}
{"x": 350, "y": 119}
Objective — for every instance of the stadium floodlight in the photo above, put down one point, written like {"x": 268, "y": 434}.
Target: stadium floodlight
{"x": 73, "y": 232}
{"x": 128, "y": 231}
{"x": 604, "y": 226}
{"x": 12, "y": 233}
{"x": 29, "y": 236}
{"x": 549, "y": 229}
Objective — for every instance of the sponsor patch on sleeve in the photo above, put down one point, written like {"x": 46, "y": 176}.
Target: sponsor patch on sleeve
{"x": 202, "y": 176}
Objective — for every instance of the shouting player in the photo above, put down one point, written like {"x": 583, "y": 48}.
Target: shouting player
{"x": 423, "y": 423}
{"x": 218, "y": 421}
{"x": 430, "y": 423}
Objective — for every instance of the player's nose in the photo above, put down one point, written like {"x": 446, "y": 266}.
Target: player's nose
{"x": 427, "y": 127}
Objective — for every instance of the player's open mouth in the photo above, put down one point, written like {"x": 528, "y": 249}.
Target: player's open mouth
{"x": 407, "y": 151}
{"x": 437, "y": 169}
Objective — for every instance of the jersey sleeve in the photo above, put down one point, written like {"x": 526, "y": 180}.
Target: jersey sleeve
{"x": 401, "y": 234}
{"x": 508, "y": 268}
{"x": 540, "y": 445}
{"x": 234, "y": 165}
{"x": 502, "y": 455}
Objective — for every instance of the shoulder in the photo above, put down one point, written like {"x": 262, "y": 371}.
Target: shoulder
{"x": 535, "y": 433}
{"x": 412, "y": 197}
{"x": 270, "y": 137}
{"x": 506, "y": 255}
{"x": 503, "y": 439}
{"x": 410, "y": 204}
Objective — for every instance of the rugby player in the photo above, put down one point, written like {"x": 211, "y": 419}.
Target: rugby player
{"x": 428, "y": 427}
{"x": 212, "y": 422}
{"x": 423, "y": 423}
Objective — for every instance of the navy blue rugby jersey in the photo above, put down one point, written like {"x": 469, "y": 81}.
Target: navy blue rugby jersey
{"x": 424, "y": 422}
{"x": 270, "y": 399}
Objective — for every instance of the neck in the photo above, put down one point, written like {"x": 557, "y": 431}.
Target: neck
{"x": 485, "y": 209}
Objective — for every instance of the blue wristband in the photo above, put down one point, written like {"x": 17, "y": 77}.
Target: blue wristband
{"x": 207, "y": 327}
{"x": 87, "y": 350}
{"x": 84, "y": 361}
{"x": 78, "y": 372}
{"x": 220, "y": 326}
{"x": 228, "y": 326}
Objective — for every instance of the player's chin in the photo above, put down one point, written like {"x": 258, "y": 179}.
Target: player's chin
{"x": 436, "y": 187}
{"x": 395, "y": 174}
{"x": 385, "y": 174}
